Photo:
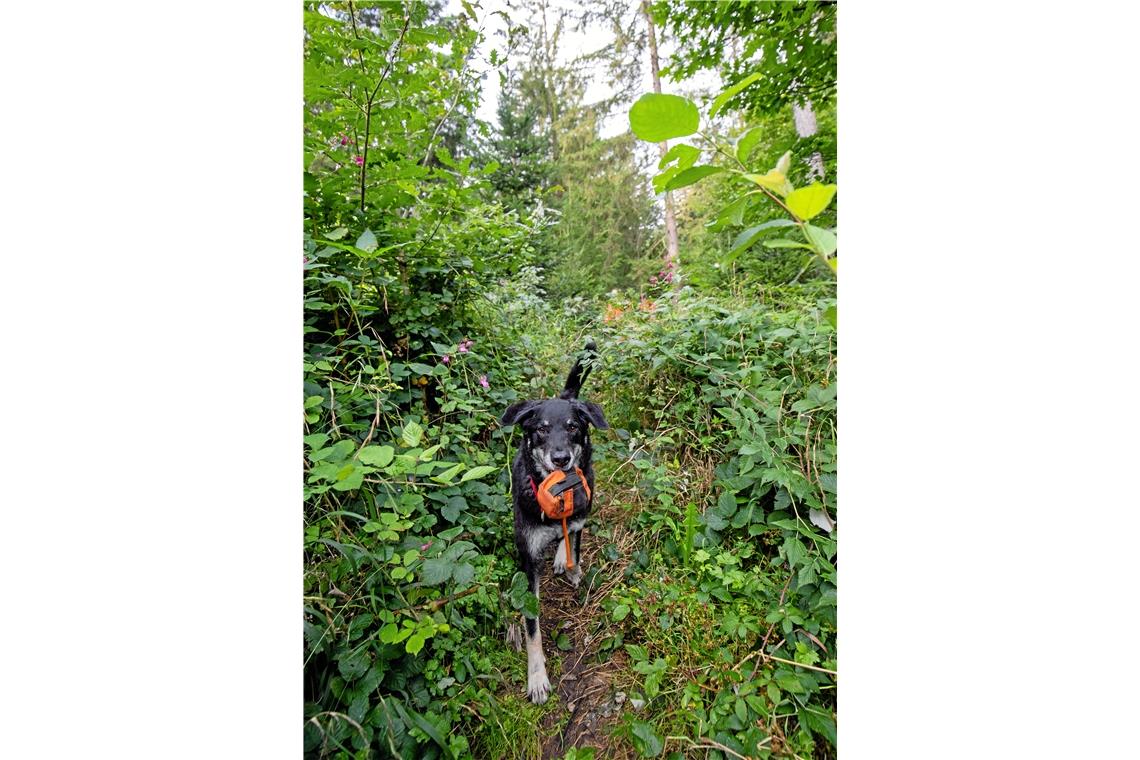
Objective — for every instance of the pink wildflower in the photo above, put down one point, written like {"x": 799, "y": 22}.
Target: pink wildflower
{"x": 653, "y": 280}
{"x": 359, "y": 160}
{"x": 462, "y": 348}
{"x": 483, "y": 381}
{"x": 446, "y": 359}
{"x": 343, "y": 140}
{"x": 423, "y": 547}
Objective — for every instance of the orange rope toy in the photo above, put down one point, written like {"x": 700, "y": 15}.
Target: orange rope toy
{"x": 556, "y": 499}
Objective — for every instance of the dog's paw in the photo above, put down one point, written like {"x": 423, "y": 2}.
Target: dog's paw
{"x": 538, "y": 686}
{"x": 574, "y": 575}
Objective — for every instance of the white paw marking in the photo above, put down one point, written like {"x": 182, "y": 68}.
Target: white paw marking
{"x": 575, "y": 575}
{"x": 538, "y": 685}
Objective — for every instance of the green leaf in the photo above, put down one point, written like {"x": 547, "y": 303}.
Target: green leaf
{"x": 647, "y": 743}
{"x": 389, "y": 633}
{"x": 727, "y": 95}
{"x": 689, "y": 176}
{"x": 377, "y": 456}
{"x": 785, "y": 243}
{"x": 685, "y": 155}
{"x": 478, "y": 472}
{"x": 795, "y": 551}
{"x": 336, "y": 234}
{"x": 775, "y": 181}
{"x": 662, "y": 179}
{"x": 530, "y": 605}
{"x": 714, "y": 520}
{"x": 808, "y": 202}
{"x": 349, "y": 478}
{"x": 454, "y": 506}
{"x": 367, "y": 241}
{"x": 463, "y": 574}
{"x": 831, "y": 316}
{"x": 413, "y": 431}
{"x": 447, "y": 475}
{"x": 411, "y": 717}
{"x": 726, "y": 504}
{"x": 435, "y": 571}
{"x": 415, "y": 643}
{"x": 746, "y": 143}
{"x": 823, "y": 240}
{"x": 731, "y": 215}
{"x": 451, "y": 533}
{"x": 620, "y": 612}
{"x": 748, "y": 236}
{"x": 655, "y": 118}
{"x": 316, "y": 440}
{"x": 352, "y": 666}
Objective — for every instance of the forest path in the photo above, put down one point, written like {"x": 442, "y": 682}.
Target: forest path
{"x": 589, "y": 689}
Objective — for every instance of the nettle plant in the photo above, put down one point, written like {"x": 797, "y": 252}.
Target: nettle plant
{"x": 657, "y": 117}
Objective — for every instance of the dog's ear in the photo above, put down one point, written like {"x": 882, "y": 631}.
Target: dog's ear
{"x": 593, "y": 413}
{"x": 518, "y": 411}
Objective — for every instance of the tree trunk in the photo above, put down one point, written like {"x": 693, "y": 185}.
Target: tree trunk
{"x": 672, "y": 248}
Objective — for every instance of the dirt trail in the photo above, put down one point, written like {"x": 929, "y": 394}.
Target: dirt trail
{"x": 587, "y": 689}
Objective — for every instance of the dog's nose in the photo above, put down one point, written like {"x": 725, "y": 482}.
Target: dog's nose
{"x": 560, "y": 460}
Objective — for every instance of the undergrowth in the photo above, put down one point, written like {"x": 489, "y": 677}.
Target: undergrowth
{"x": 426, "y": 314}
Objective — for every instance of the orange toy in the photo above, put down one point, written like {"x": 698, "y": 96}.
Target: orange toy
{"x": 556, "y": 499}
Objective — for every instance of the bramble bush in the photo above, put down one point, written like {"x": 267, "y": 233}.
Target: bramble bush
{"x": 730, "y": 409}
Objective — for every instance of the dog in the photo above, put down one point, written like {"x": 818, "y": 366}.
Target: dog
{"x": 556, "y": 435}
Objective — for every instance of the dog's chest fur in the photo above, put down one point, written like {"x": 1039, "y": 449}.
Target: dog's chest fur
{"x": 538, "y": 537}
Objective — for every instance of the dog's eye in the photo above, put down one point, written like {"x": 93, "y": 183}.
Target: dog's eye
{"x": 572, "y": 428}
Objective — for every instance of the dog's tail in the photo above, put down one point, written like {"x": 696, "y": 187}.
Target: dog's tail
{"x": 580, "y": 371}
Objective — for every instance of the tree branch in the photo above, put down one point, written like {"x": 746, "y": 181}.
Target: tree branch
{"x": 392, "y": 53}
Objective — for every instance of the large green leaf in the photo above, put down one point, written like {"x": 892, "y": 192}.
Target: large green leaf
{"x": 689, "y": 176}
{"x": 776, "y": 181}
{"x": 746, "y": 143}
{"x": 435, "y": 571}
{"x": 645, "y": 740}
{"x": 478, "y": 472}
{"x": 655, "y": 118}
{"x": 662, "y": 179}
{"x": 411, "y": 717}
{"x": 785, "y": 243}
{"x": 377, "y": 456}
{"x": 824, "y": 240}
{"x": 367, "y": 241}
{"x": 413, "y": 431}
{"x": 727, "y": 94}
{"x": 808, "y": 202}
{"x": 748, "y": 237}
{"x": 684, "y": 155}
{"x": 731, "y": 215}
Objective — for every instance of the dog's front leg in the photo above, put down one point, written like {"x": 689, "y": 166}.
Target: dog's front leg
{"x": 537, "y": 683}
{"x": 574, "y": 574}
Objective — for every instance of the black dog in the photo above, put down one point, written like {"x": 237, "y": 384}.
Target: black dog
{"x": 555, "y": 436}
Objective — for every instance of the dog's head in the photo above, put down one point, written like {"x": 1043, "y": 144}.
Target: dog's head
{"x": 556, "y": 431}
